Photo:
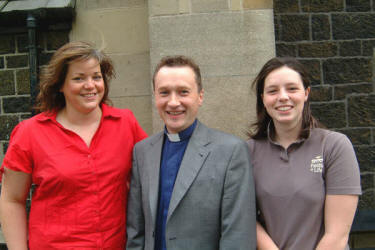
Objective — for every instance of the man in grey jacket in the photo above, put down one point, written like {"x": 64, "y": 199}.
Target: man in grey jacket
{"x": 191, "y": 186}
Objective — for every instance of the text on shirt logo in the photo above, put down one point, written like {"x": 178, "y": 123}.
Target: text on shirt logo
{"x": 317, "y": 164}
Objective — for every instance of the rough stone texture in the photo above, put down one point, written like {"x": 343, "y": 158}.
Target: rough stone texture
{"x": 366, "y": 157}
{"x": 321, "y": 93}
{"x": 7, "y": 123}
{"x": 22, "y": 43}
{"x": 7, "y": 82}
{"x": 320, "y": 26}
{"x": 44, "y": 58}
{"x": 368, "y": 47}
{"x": 103, "y": 4}
{"x": 235, "y": 5}
{"x": 7, "y": 44}
{"x": 319, "y": 49}
{"x": 1, "y": 62}
{"x": 364, "y": 240}
{"x": 257, "y": 4}
{"x": 343, "y": 90}
{"x": 366, "y": 201}
{"x": 286, "y": 6}
{"x": 16, "y": 104}
{"x": 17, "y": 61}
{"x": 57, "y": 39}
{"x": 163, "y": 7}
{"x": 23, "y": 81}
{"x": 358, "y": 5}
{"x": 367, "y": 181}
{"x": 361, "y": 110}
{"x": 313, "y": 69}
{"x": 353, "y": 26}
{"x": 347, "y": 70}
{"x": 358, "y": 136}
{"x": 283, "y": 49}
{"x": 204, "y": 6}
{"x": 350, "y": 48}
{"x": 322, "y": 5}
{"x": 332, "y": 115}
{"x": 293, "y": 28}
{"x": 276, "y": 21}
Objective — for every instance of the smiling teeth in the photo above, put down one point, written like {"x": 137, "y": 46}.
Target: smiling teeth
{"x": 174, "y": 113}
{"x": 283, "y": 108}
{"x": 89, "y": 95}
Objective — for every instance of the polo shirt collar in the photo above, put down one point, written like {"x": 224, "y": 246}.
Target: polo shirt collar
{"x": 183, "y": 135}
{"x": 107, "y": 112}
{"x": 271, "y": 135}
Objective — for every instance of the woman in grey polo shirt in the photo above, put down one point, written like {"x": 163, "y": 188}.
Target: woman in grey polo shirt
{"x": 307, "y": 178}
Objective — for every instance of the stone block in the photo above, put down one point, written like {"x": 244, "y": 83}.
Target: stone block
{"x": 45, "y": 57}
{"x": 185, "y": 7}
{"x": 366, "y": 157}
{"x": 353, "y": 26}
{"x": 313, "y": 69}
{"x": 204, "y": 6}
{"x": 322, "y": 6}
{"x": 366, "y": 202}
{"x": 283, "y": 49}
{"x": 5, "y": 146}
{"x": 17, "y": 61}
{"x": 350, "y": 48}
{"x": 367, "y": 181}
{"x": 368, "y": 47}
{"x": 163, "y": 7}
{"x": 236, "y": 117}
{"x": 23, "y": 81}
{"x": 7, "y": 86}
{"x": 56, "y": 39}
{"x": 358, "y": 5}
{"x": 321, "y": 93}
{"x": 342, "y": 91}
{"x": 358, "y": 136}
{"x": 293, "y": 28}
{"x": 317, "y": 49}
{"x": 236, "y": 5}
{"x": 16, "y": 104}
{"x": 221, "y": 43}
{"x": 141, "y": 107}
{"x": 286, "y": 6}
{"x": 7, "y": 44}
{"x": 257, "y": 4}
{"x": 1, "y": 62}
{"x": 346, "y": 70}
{"x": 132, "y": 75}
{"x": 22, "y": 43}
{"x": 7, "y": 123}
{"x": 332, "y": 114}
{"x": 277, "y": 27}
{"x": 321, "y": 27}
{"x": 361, "y": 111}
{"x": 106, "y": 4}
{"x": 121, "y": 30}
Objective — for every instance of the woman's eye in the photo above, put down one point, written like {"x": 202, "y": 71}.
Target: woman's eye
{"x": 98, "y": 77}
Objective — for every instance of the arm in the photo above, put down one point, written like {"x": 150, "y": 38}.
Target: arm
{"x": 264, "y": 241}
{"x": 135, "y": 225}
{"x": 14, "y": 191}
{"x": 339, "y": 212}
{"x": 238, "y": 203}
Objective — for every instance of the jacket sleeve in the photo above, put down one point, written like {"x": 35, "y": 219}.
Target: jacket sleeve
{"x": 135, "y": 225}
{"x": 238, "y": 218}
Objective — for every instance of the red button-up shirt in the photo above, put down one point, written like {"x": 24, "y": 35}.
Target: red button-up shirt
{"x": 80, "y": 193}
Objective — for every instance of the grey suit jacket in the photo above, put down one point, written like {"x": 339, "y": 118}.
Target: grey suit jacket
{"x": 213, "y": 201}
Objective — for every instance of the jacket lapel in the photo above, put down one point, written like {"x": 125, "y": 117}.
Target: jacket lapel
{"x": 194, "y": 157}
{"x": 154, "y": 163}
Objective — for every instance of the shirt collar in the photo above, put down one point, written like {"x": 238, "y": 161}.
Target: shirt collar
{"x": 183, "y": 135}
{"x": 107, "y": 112}
{"x": 271, "y": 134}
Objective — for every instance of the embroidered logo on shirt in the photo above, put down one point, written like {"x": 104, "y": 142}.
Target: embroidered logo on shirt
{"x": 317, "y": 164}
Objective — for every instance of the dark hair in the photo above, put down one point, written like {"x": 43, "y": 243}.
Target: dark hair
{"x": 53, "y": 75}
{"x": 179, "y": 61}
{"x": 263, "y": 118}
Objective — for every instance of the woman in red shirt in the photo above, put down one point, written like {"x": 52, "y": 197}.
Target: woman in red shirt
{"x": 76, "y": 153}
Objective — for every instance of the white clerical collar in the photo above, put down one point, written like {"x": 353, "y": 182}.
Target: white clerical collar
{"x": 173, "y": 137}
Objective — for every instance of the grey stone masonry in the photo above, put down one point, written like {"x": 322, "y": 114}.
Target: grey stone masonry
{"x": 335, "y": 39}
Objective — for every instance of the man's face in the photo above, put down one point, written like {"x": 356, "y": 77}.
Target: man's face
{"x": 177, "y": 97}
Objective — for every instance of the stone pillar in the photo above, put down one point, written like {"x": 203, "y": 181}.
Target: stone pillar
{"x": 229, "y": 39}
{"x": 121, "y": 29}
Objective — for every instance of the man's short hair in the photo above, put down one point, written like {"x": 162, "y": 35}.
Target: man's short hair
{"x": 179, "y": 61}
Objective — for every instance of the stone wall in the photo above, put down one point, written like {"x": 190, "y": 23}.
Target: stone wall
{"x": 14, "y": 77}
{"x": 335, "y": 40}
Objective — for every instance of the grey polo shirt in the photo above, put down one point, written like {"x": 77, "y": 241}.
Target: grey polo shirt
{"x": 291, "y": 184}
